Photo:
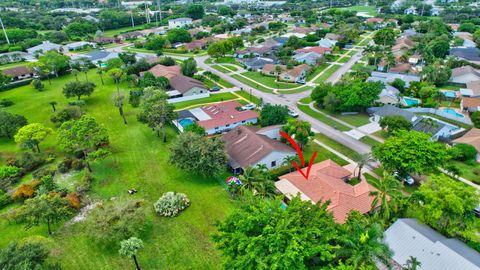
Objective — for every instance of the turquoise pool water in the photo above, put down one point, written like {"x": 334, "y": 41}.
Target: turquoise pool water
{"x": 450, "y": 94}
{"x": 411, "y": 101}
{"x": 453, "y": 112}
{"x": 185, "y": 122}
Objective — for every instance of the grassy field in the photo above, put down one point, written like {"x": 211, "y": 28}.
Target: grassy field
{"x": 249, "y": 97}
{"x": 11, "y": 65}
{"x": 327, "y": 73}
{"x": 322, "y": 154}
{"x": 305, "y": 100}
{"x": 470, "y": 172}
{"x": 221, "y": 69}
{"x": 317, "y": 71}
{"x": 140, "y": 160}
{"x": 269, "y": 80}
{"x": 356, "y": 120}
{"x": 335, "y": 145}
{"x": 370, "y": 141}
{"x": 114, "y": 32}
{"x": 320, "y": 117}
{"x": 251, "y": 84}
{"x": 212, "y": 98}
{"x": 343, "y": 59}
{"x": 370, "y": 10}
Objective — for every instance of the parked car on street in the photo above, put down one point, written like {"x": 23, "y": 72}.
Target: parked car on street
{"x": 249, "y": 106}
{"x": 293, "y": 113}
{"x": 215, "y": 89}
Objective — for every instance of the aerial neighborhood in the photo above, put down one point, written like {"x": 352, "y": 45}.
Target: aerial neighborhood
{"x": 240, "y": 134}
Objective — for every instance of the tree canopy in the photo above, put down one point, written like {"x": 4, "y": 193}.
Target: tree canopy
{"x": 273, "y": 115}
{"x": 30, "y": 136}
{"x": 10, "y": 123}
{"x": 78, "y": 89}
{"x": 393, "y": 123}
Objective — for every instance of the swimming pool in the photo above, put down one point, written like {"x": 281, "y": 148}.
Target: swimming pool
{"x": 453, "y": 112}
{"x": 185, "y": 122}
{"x": 450, "y": 94}
{"x": 411, "y": 101}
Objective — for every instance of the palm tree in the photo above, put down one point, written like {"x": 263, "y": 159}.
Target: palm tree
{"x": 362, "y": 160}
{"x": 130, "y": 247}
{"x": 85, "y": 69}
{"x": 248, "y": 178}
{"x": 388, "y": 194}
{"x": 118, "y": 99}
{"x": 116, "y": 74}
{"x": 428, "y": 124}
{"x": 75, "y": 73}
{"x": 287, "y": 161}
{"x": 412, "y": 264}
{"x": 100, "y": 72}
{"x": 53, "y": 103}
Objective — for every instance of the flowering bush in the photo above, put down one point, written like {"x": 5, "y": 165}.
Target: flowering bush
{"x": 171, "y": 203}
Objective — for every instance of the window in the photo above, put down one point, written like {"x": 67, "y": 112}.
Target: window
{"x": 216, "y": 128}
{"x": 274, "y": 163}
{"x": 243, "y": 121}
{"x": 227, "y": 125}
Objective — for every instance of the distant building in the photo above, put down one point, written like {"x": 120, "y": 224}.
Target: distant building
{"x": 11, "y": 57}
{"x": 470, "y": 54}
{"x": 45, "y": 47}
{"x": 18, "y": 73}
{"x": 179, "y": 22}
{"x": 464, "y": 75}
{"x": 309, "y": 58}
{"x": 79, "y": 45}
{"x": 471, "y": 90}
{"x": 390, "y": 77}
{"x": 409, "y": 238}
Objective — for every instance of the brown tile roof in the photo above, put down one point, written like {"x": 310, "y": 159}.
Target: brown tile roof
{"x": 325, "y": 183}
{"x": 464, "y": 70}
{"x": 470, "y": 102}
{"x": 303, "y": 30}
{"x": 472, "y": 137}
{"x": 474, "y": 86}
{"x": 267, "y": 68}
{"x": 375, "y": 20}
{"x": 165, "y": 71}
{"x": 104, "y": 40}
{"x": 317, "y": 49}
{"x": 334, "y": 36}
{"x": 246, "y": 147}
{"x": 401, "y": 68}
{"x": 296, "y": 71}
{"x": 183, "y": 83}
{"x": 196, "y": 44}
{"x": 17, "y": 71}
{"x": 225, "y": 113}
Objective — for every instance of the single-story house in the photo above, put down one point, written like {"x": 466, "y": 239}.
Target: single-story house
{"x": 164, "y": 71}
{"x": 179, "y": 22}
{"x": 309, "y": 58}
{"x": 256, "y": 64}
{"x": 271, "y": 69}
{"x": 18, "y": 73}
{"x": 471, "y": 90}
{"x": 45, "y": 47}
{"x": 105, "y": 40}
{"x": 196, "y": 45}
{"x": 96, "y": 57}
{"x": 298, "y": 74}
{"x": 374, "y": 20}
{"x": 333, "y": 36}
{"x": 470, "y": 54}
{"x": 130, "y": 35}
{"x": 187, "y": 86}
{"x": 472, "y": 137}
{"x": 281, "y": 40}
{"x": 11, "y": 57}
{"x": 316, "y": 49}
{"x": 409, "y": 238}
{"x": 464, "y": 74}
{"x": 388, "y": 77}
{"x": 389, "y": 94}
{"x": 388, "y": 110}
{"x": 249, "y": 146}
{"x": 328, "y": 182}
{"x": 79, "y": 45}
{"x": 470, "y": 104}
{"x": 254, "y": 52}
{"x": 467, "y": 39}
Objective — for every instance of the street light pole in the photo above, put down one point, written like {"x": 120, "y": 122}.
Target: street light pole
{"x": 250, "y": 95}
{"x": 4, "y": 31}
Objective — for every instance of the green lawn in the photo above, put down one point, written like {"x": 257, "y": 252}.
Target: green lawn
{"x": 357, "y": 120}
{"x": 335, "y": 145}
{"x": 221, "y": 69}
{"x": 352, "y": 52}
{"x": 322, "y": 154}
{"x": 251, "y": 84}
{"x": 140, "y": 160}
{"x": 370, "y": 141}
{"x": 305, "y": 100}
{"x": 268, "y": 80}
{"x": 365, "y": 42}
{"x": 212, "y": 98}
{"x": 249, "y": 97}
{"x": 470, "y": 172}
{"x": 381, "y": 133}
{"x": 114, "y": 32}
{"x": 343, "y": 59}
{"x": 317, "y": 71}
{"x": 327, "y": 73}
{"x": 322, "y": 118}
{"x": 371, "y": 10}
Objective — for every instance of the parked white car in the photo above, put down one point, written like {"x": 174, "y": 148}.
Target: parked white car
{"x": 293, "y": 113}
{"x": 249, "y": 106}
{"x": 408, "y": 179}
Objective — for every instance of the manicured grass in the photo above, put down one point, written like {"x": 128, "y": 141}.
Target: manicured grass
{"x": 305, "y": 100}
{"x": 298, "y": 90}
{"x": 249, "y": 97}
{"x": 370, "y": 141}
{"x": 11, "y": 65}
{"x": 381, "y": 133}
{"x": 357, "y": 120}
{"x": 327, "y": 73}
{"x": 221, "y": 69}
{"x": 251, "y": 84}
{"x": 335, "y": 145}
{"x": 322, "y": 154}
{"x": 322, "y": 118}
{"x": 225, "y": 83}
{"x": 343, "y": 59}
{"x": 212, "y": 98}
{"x": 231, "y": 67}
{"x": 371, "y": 10}
{"x": 269, "y": 80}
{"x": 140, "y": 160}
{"x": 317, "y": 71}
{"x": 468, "y": 171}
{"x": 114, "y": 32}
{"x": 365, "y": 42}
{"x": 352, "y": 52}
{"x": 224, "y": 60}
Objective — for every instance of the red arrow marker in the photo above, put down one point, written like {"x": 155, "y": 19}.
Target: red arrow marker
{"x": 300, "y": 154}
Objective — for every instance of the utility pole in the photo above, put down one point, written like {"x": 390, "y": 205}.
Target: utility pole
{"x": 159, "y": 10}
{"x": 131, "y": 17}
{"x": 4, "y": 31}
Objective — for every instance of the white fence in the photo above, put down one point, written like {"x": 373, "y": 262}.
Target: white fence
{"x": 187, "y": 98}
{"x": 441, "y": 113}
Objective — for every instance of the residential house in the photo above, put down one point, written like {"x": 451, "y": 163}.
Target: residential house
{"x": 303, "y": 30}
{"x": 326, "y": 43}
{"x": 402, "y": 45}
{"x": 271, "y": 69}
{"x": 333, "y": 36}
{"x": 309, "y": 58}
{"x": 249, "y": 146}
{"x": 411, "y": 10}
{"x": 45, "y": 47}
{"x": 467, "y": 39}
{"x": 470, "y": 104}
{"x": 186, "y": 86}
{"x": 388, "y": 110}
{"x": 389, "y": 94}
{"x": 18, "y": 73}
{"x": 374, "y": 20}
{"x": 298, "y": 74}
{"x": 388, "y": 77}
{"x": 12, "y": 57}
{"x": 408, "y": 238}
{"x": 179, "y": 22}
{"x": 472, "y": 89}
{"x": 256, "y": 64}
{"x": 164, "y": 71}
{"x": 196, "y": 45}
{"x": 80, "y": 45}
{"x": 106, "y": 40}
{"x": 315, "y": 49}
{"x": 255, "y": 52}
{"x": 470, "y": 54}
{"x": 472, "y": 137}
{"x": 328, "y": 182}
{"x": 130, "y": 35}
{"x": 464, "y": 75}
{"x": 98, "y": 58}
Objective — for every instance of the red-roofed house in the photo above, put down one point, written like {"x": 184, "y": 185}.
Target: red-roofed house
{"x": 375, "y": 20}
{"x": 327, "y": 182}
{"x": 221, "y": 117}
{"x": 316, "y": 49}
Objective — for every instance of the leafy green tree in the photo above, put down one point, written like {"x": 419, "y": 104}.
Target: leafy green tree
{"x": 300, "y": 130}
{"x": 116, "y": 74}
{"x": 128, "y": 58}
{"x": 258, "y": 181}
{"x": 4, "y": 79}
{"x": 387, "y": 195}
{"x": 220, "y": 48}
{"x": 195, "y": 11}
{"x": 320, "y": 92}
{"x": 189, "y": 67}
{"x": 178, "y": 35}
{"x": 155, "y": 43}
{"x": 467, "y": 27}
{"x": 446, "y": 205}
{"x": 273, "y": 115}
{"x": 130, "y": 248}
{"x": 114, "y": 63}
{"x": 199, "y": 154}
{"x": 260, "y": 234}
{"x": 394, "y": 123}
{"x": 38, "y": 85}
{"x": 436, "y": 73}
{"x": 83, "y": 136}
{"x": 78, "y": 89}
{"x": 157, "y": 114}
{"x": 29, "y": 255}
{"x": 195, "y": 129}
{"x": 84, "y": 68}
{"x": 476, "y": 37}
{"x": 10, "y": 123}
{"x": 44, "y": 209}
{"x": 237, "y": 42}
{"x": 463, "y": 152}
{"x": 411, "y": 152}
{"x": 118, "y": 100}
{"x": 54, "y": 61}
{"x": 399, "y": 84}
{"x": 350, "y": 96}
{"x": 412, "y": 264}
{"x": 385, "y": 37}
{"x": 53, "y": 104}
{"x": 30, "y": 136}
{"x": 439, "y": 48}
{"x": 75, "y": 73}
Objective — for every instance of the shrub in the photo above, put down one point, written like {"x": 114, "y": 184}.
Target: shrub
{"x": 28, "y": 161}
{"x": 85, "y": 184}
{"x": 171, "y": 203}
{"x": 78, "y": 164}
{"x": 475, "y": 117}
{"x": 5, "y": 199}
{"x": 463, "y": 152}
{"x": 44, "y": 171}
{"x": 8, "y": 175}
{"x": 26, "y": 191}
{"x": 74, "y": 200}
{"x": 69, "y": 113}
{"x": 65, "y": 165}
{"x": 5, "y": 103}
{"x": 79, "y": 103}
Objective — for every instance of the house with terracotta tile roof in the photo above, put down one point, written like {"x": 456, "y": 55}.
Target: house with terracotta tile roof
{"x": 328, "y": 182}
{"x": 271, "y": 69}
{"x": 220, "y": 117}
{"x": 315, "y": 49}
{"x": 297, "y": 74}
{"x": 249, "y": 146}
{"x": 472, "y": 137}
{"x": 164, "y": 71}
{"x": 470, "y": 104}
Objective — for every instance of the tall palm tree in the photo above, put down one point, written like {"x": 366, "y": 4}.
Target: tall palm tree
{"x": 116, "y": 74}
{"x": 287, "y": 161}
{"x": 387, "y": 195}
{"x": 75, "y": 73}
{"x": 362, "y": 160}
{"x": 118, "y": 100}
{"x": 248, "y": 178}
{"x": 85, "y": 69}
{"x": 100, "y": 72}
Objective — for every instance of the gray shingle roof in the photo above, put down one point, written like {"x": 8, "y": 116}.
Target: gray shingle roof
{"x": 392, "y": 110}
{"x": 407, "y": 237}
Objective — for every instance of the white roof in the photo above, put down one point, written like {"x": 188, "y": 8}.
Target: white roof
{"x": 180, "y": 20}
{"x": 407, "y": 237}
{"x": 77, "y": 44}
{"x": 200, "y": 114}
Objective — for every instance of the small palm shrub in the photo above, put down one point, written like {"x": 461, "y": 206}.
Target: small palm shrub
{"x": 171, "y": 203}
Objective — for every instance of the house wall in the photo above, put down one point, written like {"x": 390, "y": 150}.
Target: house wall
{"x": 388, "y": 100}
{"x": 277, "y": 157}
{"x": 186, "y": 98}
{"x": 176, "y": 24}
{"x": 195, "y": 91}
{"x": 273, "y": 133}
{"x": 225, "y": 128}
